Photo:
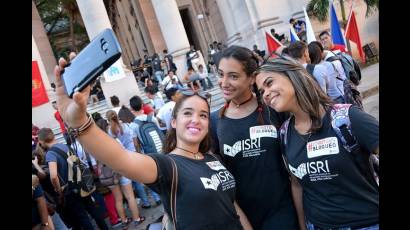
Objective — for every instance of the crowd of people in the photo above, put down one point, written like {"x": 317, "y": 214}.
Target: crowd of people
{"x": 289, "y": 149}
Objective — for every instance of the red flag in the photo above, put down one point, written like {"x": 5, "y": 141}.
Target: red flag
{"x": 352, "y": 33}
{"x": 38, "y": 91}
{"x": 273, "y": 44}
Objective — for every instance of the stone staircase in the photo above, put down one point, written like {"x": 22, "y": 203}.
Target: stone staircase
{"x": 103, "y": 106}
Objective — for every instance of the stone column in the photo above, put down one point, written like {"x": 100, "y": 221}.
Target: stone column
{"x": 149, "y": 25}
{"x": 173, "y": 32}
{"x": 43, "y": 44}
{"x": 96, "y": 19}
{"x": 42, "y": 115}
{"x": 229, "y": 20}
{"x": 244, "y": 22}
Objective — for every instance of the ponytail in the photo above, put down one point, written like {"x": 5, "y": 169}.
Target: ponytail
{"x": 114, "y": 123}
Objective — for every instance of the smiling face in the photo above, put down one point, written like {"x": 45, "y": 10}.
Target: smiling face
{"x": 192, "y": 120}
{"x": 277, "y": 91}
{"x": 233, "y": 81}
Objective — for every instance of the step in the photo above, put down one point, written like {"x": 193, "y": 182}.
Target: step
{"x": 103, "y": 106}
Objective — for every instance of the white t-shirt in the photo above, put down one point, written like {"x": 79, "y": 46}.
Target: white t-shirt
{"x": 166, "y": 82}
{"x": 165, "y": 113}
{"x": 339, "y": 69}
{"x": 337, "y": 64}
{"x": 203, "y": 75}
{"x": 116, "y": 109}
{"x": 81, "y": 154}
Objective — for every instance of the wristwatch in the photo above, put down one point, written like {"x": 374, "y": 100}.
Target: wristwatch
{"x": 44, "y": 224}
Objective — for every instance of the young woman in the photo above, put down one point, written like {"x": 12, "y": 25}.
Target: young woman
{"x": 246, "y": 136}
{"x": 127, "y": 117}
{"x": 205, "y": 189}
{"x": 123, "y": 133}
{"x": 328, "y": 187}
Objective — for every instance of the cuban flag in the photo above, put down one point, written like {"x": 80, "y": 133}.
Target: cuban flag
{"x": 293, "y": 36}
{"x": 336, "y": 32}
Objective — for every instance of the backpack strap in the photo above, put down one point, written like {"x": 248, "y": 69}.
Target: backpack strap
{"x": 149, "y": 118}
{"x": 310, "y": 68}
{"x": 174, "y": 188}
{"x": 59, "y": 151}
{"x": 64, "y": 155}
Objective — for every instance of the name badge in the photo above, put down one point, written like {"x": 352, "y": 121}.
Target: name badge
{"x": 215, "y": 165}
{"x": 322, "y": 147}
{"x": 263, "y": 131}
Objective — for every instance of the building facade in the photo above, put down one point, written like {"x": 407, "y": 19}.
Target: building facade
{"x": 239, "y": 22}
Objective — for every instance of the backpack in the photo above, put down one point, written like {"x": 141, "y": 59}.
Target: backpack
{"x": 350, "y": 66}
{"x": 351, "y": 94}
{"x": 107, "y": 176}
{"x": 367, "y": 162}
{"x": 80, "y": 177}
{"x": 150, "y": 136}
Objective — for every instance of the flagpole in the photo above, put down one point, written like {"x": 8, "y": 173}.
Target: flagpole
{"x": 342, "y": 7}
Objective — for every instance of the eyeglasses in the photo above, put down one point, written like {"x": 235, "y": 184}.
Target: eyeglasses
{"x": 205, "y": 95}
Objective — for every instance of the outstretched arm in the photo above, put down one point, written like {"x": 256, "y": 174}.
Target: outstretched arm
{"x": 95, "y": 141}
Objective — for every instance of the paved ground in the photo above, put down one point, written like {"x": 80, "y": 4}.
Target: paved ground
{"x": 369, "y": 87}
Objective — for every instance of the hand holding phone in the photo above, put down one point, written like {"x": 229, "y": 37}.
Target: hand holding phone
{"x": 72, "y": 93}
{"x": 91, "y": 62}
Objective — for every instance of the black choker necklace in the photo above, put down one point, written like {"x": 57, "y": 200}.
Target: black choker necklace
{"x": 237, "y": 105}
{"x": 196, "y": 155}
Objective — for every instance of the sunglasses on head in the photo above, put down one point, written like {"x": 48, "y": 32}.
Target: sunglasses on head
{"x": 202, "y": 94}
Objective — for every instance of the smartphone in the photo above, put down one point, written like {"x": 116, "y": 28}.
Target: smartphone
{"x": 91, "y": 62}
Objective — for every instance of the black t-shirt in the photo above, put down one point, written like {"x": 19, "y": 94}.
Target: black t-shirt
{"x": 252, "y": 153}
{"x": 205, "y": 192}
{"x": 335, "y": 194}
{"x": 156, "y": 65}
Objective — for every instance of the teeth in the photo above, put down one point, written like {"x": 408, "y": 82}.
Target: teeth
{"x": 193, "y": 129}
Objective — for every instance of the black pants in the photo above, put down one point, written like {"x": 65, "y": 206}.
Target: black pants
{"x": 74, "y": 213}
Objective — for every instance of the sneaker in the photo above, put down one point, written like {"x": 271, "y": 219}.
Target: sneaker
{"x": 116, "y": 224}
{"x": 125, "y": 224}
{"x": 138, "y": 222}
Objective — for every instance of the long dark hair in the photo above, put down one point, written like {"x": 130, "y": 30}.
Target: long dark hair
{"x": 171, "y": 137}
{"x": 308, "y": 94}
{"x": 249, "y": 62}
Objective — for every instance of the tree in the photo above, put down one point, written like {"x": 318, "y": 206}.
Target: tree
{"x": 320, "y": 9}
{"x": 59, "y": 16}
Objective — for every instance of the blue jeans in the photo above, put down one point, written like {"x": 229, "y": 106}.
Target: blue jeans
{"x": 58, "y": 223}
{"x": 158, "y": 76}
{"x": 143, "y": 195}
{"x": 310, "y": 226}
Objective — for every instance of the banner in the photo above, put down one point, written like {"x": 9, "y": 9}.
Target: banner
{"x": 38, "y": 91}
{"x": 115, "y": 72}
